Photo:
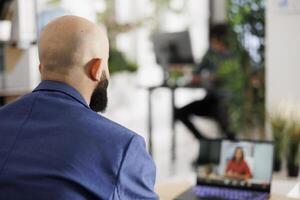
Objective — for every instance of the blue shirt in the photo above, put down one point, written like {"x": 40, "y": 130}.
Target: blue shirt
{"x": 54, "y": 147}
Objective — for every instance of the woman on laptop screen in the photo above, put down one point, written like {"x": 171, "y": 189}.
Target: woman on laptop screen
{"x": 237, "y": 167}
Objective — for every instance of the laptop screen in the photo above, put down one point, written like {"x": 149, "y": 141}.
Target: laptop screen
{"x": 236, "y": 164}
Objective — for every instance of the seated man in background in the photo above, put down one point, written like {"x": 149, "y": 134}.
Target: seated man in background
{"x": 53, "y": 144}
{"x": 221, "y": 75}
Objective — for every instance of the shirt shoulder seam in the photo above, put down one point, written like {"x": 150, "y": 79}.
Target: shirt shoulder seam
{"x": 17, "y": 136}
{"x": 121, "y": 164}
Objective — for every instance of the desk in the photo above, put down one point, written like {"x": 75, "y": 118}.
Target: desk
{"x": 6, "y": 93}
{"x": 8, "y": 96}
{"x": 170, "y": 191}
{"x": 150, "y": 127}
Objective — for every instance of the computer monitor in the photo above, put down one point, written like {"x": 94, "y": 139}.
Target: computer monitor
{"x": 241, "y": 164}
{"x": 173, "y": 48}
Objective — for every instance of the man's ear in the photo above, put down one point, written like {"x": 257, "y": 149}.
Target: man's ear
{"x": 95, "y": 69}
{"x": 40, "y": 68}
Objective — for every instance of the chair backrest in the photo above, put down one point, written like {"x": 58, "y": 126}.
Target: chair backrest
{"x": 209, "y": 152}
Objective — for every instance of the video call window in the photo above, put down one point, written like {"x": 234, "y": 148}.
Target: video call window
{"x": 239, "y": 164}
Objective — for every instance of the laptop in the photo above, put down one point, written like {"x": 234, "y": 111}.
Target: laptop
{"x": 238, "y": 170}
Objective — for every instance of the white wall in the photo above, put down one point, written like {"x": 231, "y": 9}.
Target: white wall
{"x": 23, "y": 23}
{"x": 283, "y": 54}
{"x": 219, "y": 11}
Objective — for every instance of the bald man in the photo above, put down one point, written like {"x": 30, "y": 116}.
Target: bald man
{"x": 53, "y": 144}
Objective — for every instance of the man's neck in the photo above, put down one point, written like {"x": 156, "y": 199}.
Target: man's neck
{"x": 74, "y": 83}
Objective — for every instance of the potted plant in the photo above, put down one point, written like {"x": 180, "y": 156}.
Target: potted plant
{"x": 293, "y": 148}
{"x": 278, "y": 126}
{"x": 245, "y": 21}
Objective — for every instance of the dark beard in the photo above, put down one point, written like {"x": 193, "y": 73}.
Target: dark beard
{"x": 99, "y": 97}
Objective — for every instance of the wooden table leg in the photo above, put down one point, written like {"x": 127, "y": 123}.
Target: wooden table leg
{"x": 173, "y": 130}
{"x": 150, "y": 121}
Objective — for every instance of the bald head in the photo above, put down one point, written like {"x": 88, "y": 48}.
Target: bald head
{"x": 69, "y": 43}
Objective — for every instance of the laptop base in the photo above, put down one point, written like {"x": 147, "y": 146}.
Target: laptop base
{"x": 217, "y": 193}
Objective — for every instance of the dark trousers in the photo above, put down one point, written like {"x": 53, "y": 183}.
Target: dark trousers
{"x": 212, "y": 107}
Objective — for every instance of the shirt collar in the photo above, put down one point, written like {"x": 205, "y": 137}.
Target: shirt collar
{"x": 63, "y": 88}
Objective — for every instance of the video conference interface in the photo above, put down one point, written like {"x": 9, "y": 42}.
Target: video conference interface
{"x": 240, "y": 164}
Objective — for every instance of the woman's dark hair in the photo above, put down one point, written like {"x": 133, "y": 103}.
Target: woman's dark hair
{"x": 219, "y": 32}
{"x": 236, "y": 149}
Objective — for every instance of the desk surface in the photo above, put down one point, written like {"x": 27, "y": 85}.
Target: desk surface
{"x": 192, "y": 86}
{"x": 7, "y": 93}
{"x": 170, "y": 191}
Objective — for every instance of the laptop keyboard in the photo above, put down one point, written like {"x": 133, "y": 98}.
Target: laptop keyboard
{"x": 208, "y": 192}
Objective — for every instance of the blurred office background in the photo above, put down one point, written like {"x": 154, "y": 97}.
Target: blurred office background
{"x": 266, "y": 32}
